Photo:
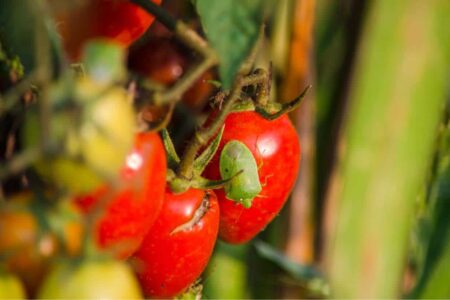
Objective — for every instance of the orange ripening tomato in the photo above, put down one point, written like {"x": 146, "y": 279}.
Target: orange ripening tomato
{"x": 26, "y": 249}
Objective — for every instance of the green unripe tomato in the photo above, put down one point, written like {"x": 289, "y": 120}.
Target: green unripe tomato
{"x": 107, "y": 132}
{"x": 91, "y": 279}
{"x": 11, "y": 287}
{"x": 91, "y": 132}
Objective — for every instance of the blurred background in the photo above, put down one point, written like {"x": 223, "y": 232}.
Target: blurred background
{"x": 369, "y": 216}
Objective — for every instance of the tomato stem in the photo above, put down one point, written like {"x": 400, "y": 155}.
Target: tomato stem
{"x": 191, "y": 39}
{"x": 160, "y": 13}
{"x": 201, "y": 137}
{"x": 43, "y": 62}
{"x": 19, "y": 162}
{"x": 174, "y": 93}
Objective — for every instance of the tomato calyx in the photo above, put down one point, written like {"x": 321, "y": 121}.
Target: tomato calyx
{"x": 179, "y": 184}
{"x": 274, "y": 110}
{"x": 268, "y": 110}
{"x": 193, "y": 292}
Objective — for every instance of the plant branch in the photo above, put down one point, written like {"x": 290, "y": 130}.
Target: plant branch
{"x": 202, "y": 136}
{"x": 19, "y": 163}
{"x": 9, "y": 100}
{"x": 175, "y": 93}
{"x": 205, "y": 134}
{"x": 191, "y": 39}
{"x": 160, "y": 13}
{"x": 44, "y": 64}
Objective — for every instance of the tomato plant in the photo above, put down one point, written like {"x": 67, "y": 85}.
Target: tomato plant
{"x": 89, "y": 139}
{"x": 118, "y": 20}
{"x": 132, "y": 207}
{"x": 90, "y": 279}
{"x": 177, "y": 248}
{"x": 275, "y": 146}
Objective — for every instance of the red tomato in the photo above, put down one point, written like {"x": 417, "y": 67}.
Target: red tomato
{"x": 276, "y": 149}
{"x": 163, "y": 61}
{"x": 160, "y": 59}
{"x": 177, "y": 248}
{"x": 198, "y": 94}
{"x": 135, "y": 204}
{"x": 119, "y": 20}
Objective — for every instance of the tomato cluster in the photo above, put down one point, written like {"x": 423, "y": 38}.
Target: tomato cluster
{"x": 103, "y": 203}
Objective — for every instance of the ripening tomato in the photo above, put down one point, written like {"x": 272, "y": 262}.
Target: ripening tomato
{"x": 276, "y": 149}
{"x": 177, "y": 248}
{"x": 24, "y": 246}
{"x": 133, "y": 205}
{"x": 163, "y": 61}
{"x": 90, "y": 279}
{"x": 80, "y": 21}
{"x": 91, "y": 129}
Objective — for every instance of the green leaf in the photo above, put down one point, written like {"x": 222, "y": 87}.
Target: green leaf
{"x": 298, "y": 271}
{"x": 433, "y": 228}
{"x": 104, "y": 61}
{"x": 232, "y": 27}
{"x": 235, "y": 158}
{"x": 205, "y": 157}
{"x": 314, "y": 280}
{"x": 173, "y": 160}
{"x": 388, "y": 150}
{"x": 21, "y": 24}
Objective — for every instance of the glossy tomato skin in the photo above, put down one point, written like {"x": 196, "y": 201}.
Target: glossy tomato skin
{"x": 136, "y": 203}
{"x": 276, "y": 149}
{"x": 160, "y": 59}
{"x": 118, "y": 20}
{"x": 171, "y": 257}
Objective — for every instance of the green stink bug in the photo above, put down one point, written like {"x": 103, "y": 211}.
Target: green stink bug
{"x": 235, "y": 158}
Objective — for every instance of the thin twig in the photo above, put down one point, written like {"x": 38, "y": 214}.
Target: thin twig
{"x": 9, "y": 100}
{"x": 43, "y": 63}
{"x": 160, "y": 14}
{"x": 201, "y": 137}
{"x": 174, "y": 93}
{"x": 191, "y": 39}
{"x": 19, "y": 163}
